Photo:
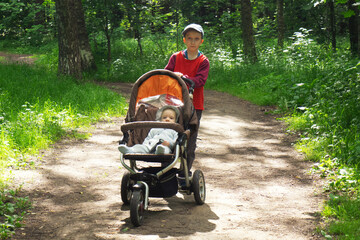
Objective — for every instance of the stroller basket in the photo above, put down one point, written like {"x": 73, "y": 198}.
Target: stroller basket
{"x": 165, "y": 186}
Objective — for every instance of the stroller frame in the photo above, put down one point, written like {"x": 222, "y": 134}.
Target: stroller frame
{"x": 138, "y": 184}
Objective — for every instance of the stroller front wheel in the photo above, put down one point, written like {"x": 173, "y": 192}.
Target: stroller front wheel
{"x": 126, "y": 189}
{"x": 137, "y": 207}
{"x": 198, "y": 187}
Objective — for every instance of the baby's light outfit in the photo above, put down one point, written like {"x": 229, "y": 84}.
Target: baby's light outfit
{"x": 153, "y": 140}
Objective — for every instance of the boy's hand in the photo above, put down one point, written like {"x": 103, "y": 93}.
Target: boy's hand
{"x": 179, "y": 74}
{"x": 165, "y": 143}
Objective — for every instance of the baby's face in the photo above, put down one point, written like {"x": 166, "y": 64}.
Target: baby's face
{"x": 168, "y": 115}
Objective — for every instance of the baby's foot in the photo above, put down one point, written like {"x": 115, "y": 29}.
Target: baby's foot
{"x": 160, "y": 149}
{"x": 124, "y": 149}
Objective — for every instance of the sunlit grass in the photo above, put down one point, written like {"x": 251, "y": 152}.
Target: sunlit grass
{"x": 296, "y": 122}
{"x": 37, "y": 109}
{"x": 344, "y": 215}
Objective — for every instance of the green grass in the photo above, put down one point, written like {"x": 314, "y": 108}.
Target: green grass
{"x": 343, "y": 213}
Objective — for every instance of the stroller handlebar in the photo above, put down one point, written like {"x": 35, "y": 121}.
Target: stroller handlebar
{"x": 151, "y": 124}
{"x": 191, "y": 85}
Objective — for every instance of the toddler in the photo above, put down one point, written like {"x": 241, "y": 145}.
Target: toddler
{"x": 160, "y": 140}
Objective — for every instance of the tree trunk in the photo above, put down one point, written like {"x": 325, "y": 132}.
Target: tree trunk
{"x": 107, "y": 32}
{"x": 353, "y": 29}
{"x": 332, "y": 24}
{"x": 87, "y": 59}
{"x": 280, "y": 23}
{"x": 248, "y": 31}
{"x": 133, "y": 12}
{"x": 138, "y": 39}
{"x": 69, "y": 45}
{"x": 108, "y": 40}
{"x": 177, "y": 23}
{"x": 40, "y": 15}
{"x": 137, "y": 24}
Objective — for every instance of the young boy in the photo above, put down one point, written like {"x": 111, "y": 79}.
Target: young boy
{"x": 160, "y": 139}
{"x": 192, "y": 64}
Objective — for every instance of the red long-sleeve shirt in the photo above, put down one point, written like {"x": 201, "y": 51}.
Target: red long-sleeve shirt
{"x": 196, "y": 70}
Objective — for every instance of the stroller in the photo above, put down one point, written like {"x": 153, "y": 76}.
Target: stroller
{"x": 149, "y": 93}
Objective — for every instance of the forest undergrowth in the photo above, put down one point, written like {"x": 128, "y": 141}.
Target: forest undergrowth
{"x": 316, "y": 90}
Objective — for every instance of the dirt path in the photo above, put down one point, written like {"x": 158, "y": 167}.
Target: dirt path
{"x": 257, "y": 184}
{"x": 16, "y": 58}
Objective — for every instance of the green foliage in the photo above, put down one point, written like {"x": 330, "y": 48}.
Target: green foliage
{"x": 13, "y": 209}
{"x": 32, "y": 23}
{"x": 11, "y": 13}
{"x": 127, "y": 66}
{"x": 344, "y": 215}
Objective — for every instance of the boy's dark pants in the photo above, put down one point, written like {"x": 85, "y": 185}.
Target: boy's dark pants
{"x": 192, "y": 142}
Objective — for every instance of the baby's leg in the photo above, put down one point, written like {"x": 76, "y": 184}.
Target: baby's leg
{"x": 140, "y": 148}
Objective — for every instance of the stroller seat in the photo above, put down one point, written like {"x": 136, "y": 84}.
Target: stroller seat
{"x": 147, "y": 157}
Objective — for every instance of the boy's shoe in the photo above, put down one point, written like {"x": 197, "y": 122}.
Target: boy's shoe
{"x": 124, "y": 149}
{"x": 182, "y": 182}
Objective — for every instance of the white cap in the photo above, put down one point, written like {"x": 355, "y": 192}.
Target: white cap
{"x": 195, "y": 27}
{"x": 161, "y": 110}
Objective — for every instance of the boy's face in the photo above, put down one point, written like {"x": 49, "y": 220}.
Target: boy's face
{"x": 168, "y": 115}
{"x": 193, "y": 40}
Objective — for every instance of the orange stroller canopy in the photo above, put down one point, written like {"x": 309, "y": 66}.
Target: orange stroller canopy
{"x": 158, "y": 85}
{"x": 165, "y": 83}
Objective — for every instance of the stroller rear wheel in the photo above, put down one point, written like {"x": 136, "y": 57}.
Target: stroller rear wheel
{"x": 125, "y": 189}
{"x": 198, "y": 187}
{"x": 137, "y": 207}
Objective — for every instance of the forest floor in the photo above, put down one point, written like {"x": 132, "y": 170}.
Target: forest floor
{"x": 19, "y": 58}
{"x": 258, "y": 186}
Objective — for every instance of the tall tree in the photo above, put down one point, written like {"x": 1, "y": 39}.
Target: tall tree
{"x": 40, "y": 14}
{"x": 330, "y": 4}
{"x": 135, "y": 10}
{"x": 74, "y": 50}
{"x": 69, "y": 45}
{"x": 103, "y": 16}
{"x": 353, "y": 27}
{"x": 280, "y": 23}
{"x": 87, "y": 59}
{"x": 248, "y": 31}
